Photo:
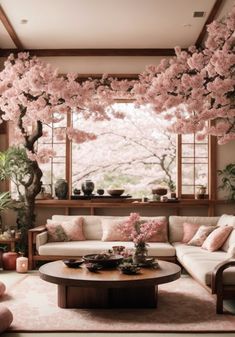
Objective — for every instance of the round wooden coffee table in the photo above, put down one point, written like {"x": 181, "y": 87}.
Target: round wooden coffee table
{"x": 80, "y": 288}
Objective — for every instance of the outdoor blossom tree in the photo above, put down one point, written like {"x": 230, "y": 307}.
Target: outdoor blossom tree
{"x": 32, "y": 95}
{"x": 134, "y": 152}
{"x": 196, "y": 86}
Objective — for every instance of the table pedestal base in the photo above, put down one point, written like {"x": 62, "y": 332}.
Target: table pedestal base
{"x": 127, "y": 297}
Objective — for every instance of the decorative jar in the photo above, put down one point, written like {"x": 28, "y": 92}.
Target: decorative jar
{"x": 88, "y": 187}
{"x": 61, "y": 189}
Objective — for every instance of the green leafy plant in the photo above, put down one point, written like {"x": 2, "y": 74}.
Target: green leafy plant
{"x": 228, "y": 180}
{"x": 5, "y": 201}
{"x": 15, "y": 166}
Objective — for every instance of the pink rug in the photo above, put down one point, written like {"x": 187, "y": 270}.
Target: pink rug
{"x": 183, "y": 306}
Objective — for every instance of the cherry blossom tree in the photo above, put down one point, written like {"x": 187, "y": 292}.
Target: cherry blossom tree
{"x": 33, "y": 95}
{"x": 197, "y": 86}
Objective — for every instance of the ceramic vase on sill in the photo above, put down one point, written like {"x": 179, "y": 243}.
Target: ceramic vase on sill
{"x": 61, "y": 189}
{"x": 88, "y": 187}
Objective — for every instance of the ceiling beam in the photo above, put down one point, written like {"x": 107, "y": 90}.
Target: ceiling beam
{"x": 92, "y": 52}
{"x": 210, "y": 18}
{"x": 9, "y": 28}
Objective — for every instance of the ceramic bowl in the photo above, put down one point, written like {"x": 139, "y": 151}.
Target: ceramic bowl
{"x": 72, "y": 263}
{"x": 93, "y": 267}
{"x": 116, "y": 192}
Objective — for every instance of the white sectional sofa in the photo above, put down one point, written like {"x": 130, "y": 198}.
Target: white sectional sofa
{"x": 205, "y": 266}
{"x": 93, "y": 244}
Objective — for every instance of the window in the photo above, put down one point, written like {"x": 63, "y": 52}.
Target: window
{"x": 136, "y": 153}
{"x": 194, "y": 164}
{"x": 56, "y": 167}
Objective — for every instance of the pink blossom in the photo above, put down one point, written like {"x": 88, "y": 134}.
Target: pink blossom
{"x": 139, "y": 231}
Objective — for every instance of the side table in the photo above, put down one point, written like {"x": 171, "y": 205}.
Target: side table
{"x": 10, "y": 242}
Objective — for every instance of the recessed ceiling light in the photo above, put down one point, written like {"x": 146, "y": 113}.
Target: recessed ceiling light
{"x": 23, "y": 21}
{"x": 198, "y": 14}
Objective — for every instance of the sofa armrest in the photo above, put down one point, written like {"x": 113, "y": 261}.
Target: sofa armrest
{"x": 41, "y": 239}
{"x": 32, "y": 233}
{"x": 217, "y": 275}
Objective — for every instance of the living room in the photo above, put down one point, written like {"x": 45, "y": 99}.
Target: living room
{"x": 117, "y": 167}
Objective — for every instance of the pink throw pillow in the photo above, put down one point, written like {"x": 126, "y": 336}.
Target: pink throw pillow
{"x": 2, "y": 288}
{"x": 201, "y": 235}
{"x": 216, "y": 239}
{"x": 190, "y": 230}
{"x": 6, "y": 318}
{"x": 111, "y": 231}
{"x": 161, "y": 234}
{"x": 65, "y": 230}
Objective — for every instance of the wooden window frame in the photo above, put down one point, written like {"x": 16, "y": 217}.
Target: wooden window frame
{"x": 212, "y": 169}
{"x": 212, "y": 164}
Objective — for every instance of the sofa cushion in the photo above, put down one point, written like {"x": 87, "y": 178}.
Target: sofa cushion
{"x": 70, "y": 230}
{"x": 200, "y": 263}
{"x": 225, "y": 220}
{"x": 80, "y": 248}
{"x": 231, "y": 252}
{"x": 229, "y": 242}
{"x": 215, "y": 240}
{"x": 111, "y": 230}
{"x": 176, "y": 230}
{"x": 201, "y": 235}
{"x": 162, "y": 233}
{"x": 190, "y": 230}
{"x": 92, "y": 225}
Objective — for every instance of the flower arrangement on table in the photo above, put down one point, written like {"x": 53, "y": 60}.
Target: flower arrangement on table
{"x": 139, "y": 231}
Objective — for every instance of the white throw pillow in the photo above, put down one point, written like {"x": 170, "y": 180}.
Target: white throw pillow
{"x": 231, "y": 252}
{"x": 226, "y": 219}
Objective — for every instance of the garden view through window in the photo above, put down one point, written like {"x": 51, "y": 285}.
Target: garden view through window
{"x": 136, "y": 153}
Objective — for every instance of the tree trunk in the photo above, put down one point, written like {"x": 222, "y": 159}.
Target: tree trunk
{"x": 28, "y": 218}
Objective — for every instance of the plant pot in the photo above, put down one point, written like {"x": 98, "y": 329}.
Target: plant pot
{"x": 9, "y": 260}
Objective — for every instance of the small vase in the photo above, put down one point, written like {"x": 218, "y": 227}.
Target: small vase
{"x": 61, "y": 189}
{"x": 140, "y": 253}
{"x": 88, "y": 187}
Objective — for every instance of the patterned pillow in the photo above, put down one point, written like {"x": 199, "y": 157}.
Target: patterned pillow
{"x": 201, "y": 235}
{"x": 190, "y": 230}
{"x": 216, "y": 239}
{"x": 65, "y": 230}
